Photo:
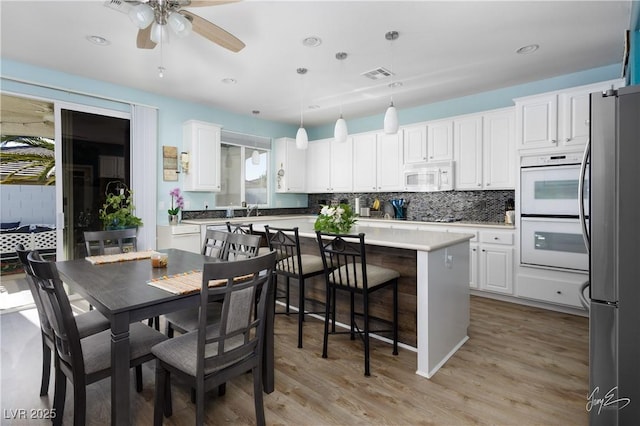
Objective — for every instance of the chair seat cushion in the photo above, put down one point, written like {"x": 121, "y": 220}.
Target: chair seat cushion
{"x": 181, "y": 353}
{"x": 310, "y": 264}
{"x": 376, "y": 275}
{"x": 186, "y": 320}
{"x": 91, "y": 322}
{"x": 97, "y": 348}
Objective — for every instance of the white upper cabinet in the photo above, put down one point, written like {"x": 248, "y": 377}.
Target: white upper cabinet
{"x": 468, "y": 152}
{"x": 415, "y": 144}
{"x": 202, "y": 142}
{"x": 498, "y": 150}
{"x": 290, "y": 166}
{"x": 329, "y": 166}
{"x": 558, "y": 119}
{"x": 485, "y": 150}
{"x": 440, "y": 140}
{"x": 377, "y": 162}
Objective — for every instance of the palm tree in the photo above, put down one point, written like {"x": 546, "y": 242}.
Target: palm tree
{"x": 36, "y": 161}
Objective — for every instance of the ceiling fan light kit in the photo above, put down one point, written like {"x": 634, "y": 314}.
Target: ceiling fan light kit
{"x": 142, "y": 15}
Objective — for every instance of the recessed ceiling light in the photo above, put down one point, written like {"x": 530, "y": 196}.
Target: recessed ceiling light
{"x": 229, "y": 81}
{"x": 100, "y": 41}
{"x": 314, "y": 106}
{"x": 524, "y": 50}
{"x": 395, "y": 84}
{"x": 312, "y": 41}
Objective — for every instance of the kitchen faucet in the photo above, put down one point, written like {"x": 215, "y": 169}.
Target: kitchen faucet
{"x": 252, "y": 208}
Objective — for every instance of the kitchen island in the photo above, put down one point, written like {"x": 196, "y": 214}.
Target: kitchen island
{"x": 433, "y": 287}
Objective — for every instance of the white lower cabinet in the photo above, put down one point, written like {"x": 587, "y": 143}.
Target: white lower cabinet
{"x": 557, "y": 287}
{"x": 496, "y": 261}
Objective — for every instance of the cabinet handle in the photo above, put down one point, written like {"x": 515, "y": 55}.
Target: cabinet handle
{"x": 496, "y": 238}
{"x": 554, "y": 140}
{"x": 473, "y": 249}
{"x": 558, "y": 292}
{"x": 479, "y": 184}
{"x": 488, "y": 184}
{"x": 483, "y": 250}
{"x": 374, "y": 187}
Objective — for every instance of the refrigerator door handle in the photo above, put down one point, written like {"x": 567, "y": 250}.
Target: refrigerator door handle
{"x": 581, "y": 181}
{"x": 583, "y": 299}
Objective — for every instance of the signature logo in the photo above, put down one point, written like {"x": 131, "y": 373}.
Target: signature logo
{"x": 594, "y": 402}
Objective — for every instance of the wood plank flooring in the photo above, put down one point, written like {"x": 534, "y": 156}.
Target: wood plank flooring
{"x": 521, "y": 366}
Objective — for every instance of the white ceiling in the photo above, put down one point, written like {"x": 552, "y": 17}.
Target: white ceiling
{"x": 446, "y": 49}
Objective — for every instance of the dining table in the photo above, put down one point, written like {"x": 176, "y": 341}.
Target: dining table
{"x": 121, "y": 292}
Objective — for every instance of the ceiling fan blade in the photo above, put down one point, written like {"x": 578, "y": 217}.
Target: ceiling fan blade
{"x": 143, "y": 41}
{"x": 213, "y": 32}
{"x": 202, "y": 3}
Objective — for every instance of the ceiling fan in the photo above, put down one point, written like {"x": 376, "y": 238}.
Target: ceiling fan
{"x": 155, "y": 17}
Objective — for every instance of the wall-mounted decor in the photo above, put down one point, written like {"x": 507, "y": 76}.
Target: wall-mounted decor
{"x": 170, "y": 163}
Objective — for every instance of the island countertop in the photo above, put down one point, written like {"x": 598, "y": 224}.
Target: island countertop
{"x": 412, "y": 239}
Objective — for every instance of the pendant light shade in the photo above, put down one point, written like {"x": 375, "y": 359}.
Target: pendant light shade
{"x": 255, "y": 157}
{"x": 340, "y": 132}
{"x": 391, "y": 120}
{"x": 302, "y": 140}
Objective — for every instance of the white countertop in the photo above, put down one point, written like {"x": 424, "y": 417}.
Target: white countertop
{"x": 411, "y": 239}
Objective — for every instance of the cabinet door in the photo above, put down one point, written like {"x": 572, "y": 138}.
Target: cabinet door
{"x": 498, "y": 148}
{"x": 318, "y": 170}
{"x": 202, "y": 142}
{"x": 537, "y": 122}
{"x": 496, "y": 268}
{"x": 342, "y": 165}
{"x": 364, "y": 162}
{"x": 389, "y": 162}
{"x": 415, "y": 144}
{"x": 573, "y": 118}
{"x": 468, "y": 148}
{"x": 440, "y": 140}
{"x": 473, "y": 265}
{"x": 293, "y": 162}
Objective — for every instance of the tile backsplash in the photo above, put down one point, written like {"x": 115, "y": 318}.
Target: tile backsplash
{"x": 466, "y": 206}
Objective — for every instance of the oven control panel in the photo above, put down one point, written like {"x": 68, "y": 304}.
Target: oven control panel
{"x": 551, "y": 160}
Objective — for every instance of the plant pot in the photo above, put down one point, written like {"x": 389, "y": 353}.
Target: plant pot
{"x": 173, "y": 219}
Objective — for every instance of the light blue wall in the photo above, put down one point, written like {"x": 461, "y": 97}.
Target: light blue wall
{"x": 50, "y": 84}
{"x": 475, "y": 103}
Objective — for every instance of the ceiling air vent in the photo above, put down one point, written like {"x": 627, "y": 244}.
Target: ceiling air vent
{"x": 119, "y": 5}
{"x": 377, "y": 73}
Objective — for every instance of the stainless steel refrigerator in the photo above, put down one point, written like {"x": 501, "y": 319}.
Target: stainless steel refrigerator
{"x": 612, "y": 233}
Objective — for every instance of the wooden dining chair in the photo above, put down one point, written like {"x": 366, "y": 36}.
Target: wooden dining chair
{"x": 346, "y": 269}
{"x": 216, "y": 353}
{"x": 111, "y": 241}
{"x": 240, "y": 228}
{"x": 114, "y": 241}
{"x": 81, "y": 360}
{"x": 292, "y": 264}
{"x": 241, "y": 246}
{"x": 88, "y": 323}
{"x": 187, "y": 319}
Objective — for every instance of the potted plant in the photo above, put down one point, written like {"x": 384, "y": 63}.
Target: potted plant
{"x": 335, "y": 220}
{"x": 176, "y": 197}
{"x": 117, "y": 210}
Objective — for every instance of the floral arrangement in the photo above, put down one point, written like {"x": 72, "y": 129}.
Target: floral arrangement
{"x": 335, "y": 220}
{"x": 176, "y": 197}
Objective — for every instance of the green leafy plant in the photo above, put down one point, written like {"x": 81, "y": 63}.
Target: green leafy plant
{"x": 335, "y": 220}
{"x": 117, "y": 211}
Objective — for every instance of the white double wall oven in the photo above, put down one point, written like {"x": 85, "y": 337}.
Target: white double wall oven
{"x": 551, "y": 231}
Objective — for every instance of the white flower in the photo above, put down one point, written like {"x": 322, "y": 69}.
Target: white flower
{"x": 325, "y": 211}
{"x": 339, "y": 211}
{"x": 331, "y": 211}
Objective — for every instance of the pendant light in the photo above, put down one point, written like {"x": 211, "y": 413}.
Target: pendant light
{"x": 391, "y": 116}
{"x": 255, "y": 155}
{"x": 340, "y": 132}
{"x": 302, "y": 140}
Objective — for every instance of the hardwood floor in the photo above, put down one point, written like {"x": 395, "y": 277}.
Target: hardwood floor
{"x": 521, "y": 366}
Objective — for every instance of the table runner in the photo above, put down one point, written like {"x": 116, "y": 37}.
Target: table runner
{"x": 120, "y": 257}
{"x": 189, "y": 282}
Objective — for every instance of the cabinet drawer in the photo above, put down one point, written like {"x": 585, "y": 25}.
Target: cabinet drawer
{"x": 496, "y": 237}
{"x": 549, "y": 290}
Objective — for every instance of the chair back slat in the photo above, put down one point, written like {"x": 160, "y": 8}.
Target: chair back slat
{"x": 33, "y": 288}
{"x": 241, "y": 246}
{"x": 111, "y": 241}
{"x": 214, "y": 243}
{"x": 286, "y": 243}
{"x": 240, "y": 228}
{"x": 344, "y": 259}
{"x": 58, "y": 310}
{"x": 240, "y": 331}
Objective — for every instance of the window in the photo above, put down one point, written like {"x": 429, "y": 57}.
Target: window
{"x": 244, "y": 176}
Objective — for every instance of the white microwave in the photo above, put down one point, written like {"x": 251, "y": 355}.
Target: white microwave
{"x": 432, "y": 177}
